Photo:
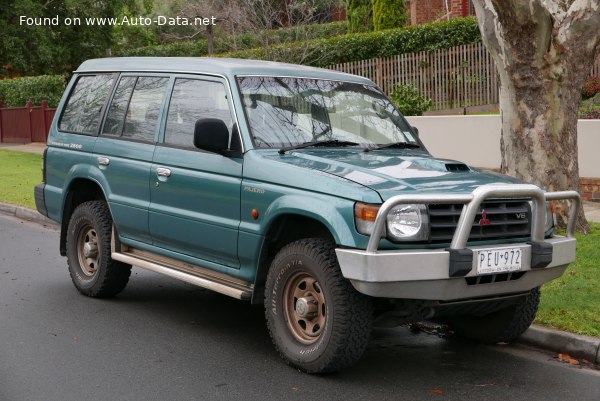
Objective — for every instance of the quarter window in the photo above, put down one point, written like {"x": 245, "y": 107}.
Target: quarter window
{"x": 135, "y": 108}
{"x": 192, "y": 100}
{"x": 83, "y": 109}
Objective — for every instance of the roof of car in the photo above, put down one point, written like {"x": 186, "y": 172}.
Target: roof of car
{"x": 220, "y": 66}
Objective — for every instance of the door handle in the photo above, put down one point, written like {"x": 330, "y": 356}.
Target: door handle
{"x": 163, "y": 172}
{"x": 103, "y": 161}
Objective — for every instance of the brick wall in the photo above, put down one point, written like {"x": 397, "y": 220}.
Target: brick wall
{"x": 459, "y": 8}
{"x": 423, "y": 11}
{"x": 590, "y": 189}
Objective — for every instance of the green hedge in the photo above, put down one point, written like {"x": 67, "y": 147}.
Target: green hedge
{"x": 17, "y": 91}
{"x": 241, "y": 41}
{"x": 363, "y": 46}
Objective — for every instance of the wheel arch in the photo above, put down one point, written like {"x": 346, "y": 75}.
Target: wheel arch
{"x": 80, "y": 189}
{"x": 282, "y": 230}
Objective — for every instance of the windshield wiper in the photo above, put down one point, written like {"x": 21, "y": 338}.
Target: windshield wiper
{"x": 398, "y": 145}
{"x": 331, "y": 142}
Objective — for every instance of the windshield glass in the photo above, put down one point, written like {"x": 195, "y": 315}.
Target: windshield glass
{"x": 286, "y": 112}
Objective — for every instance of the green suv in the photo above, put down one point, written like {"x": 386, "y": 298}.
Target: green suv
{"x": 300, "y": 189}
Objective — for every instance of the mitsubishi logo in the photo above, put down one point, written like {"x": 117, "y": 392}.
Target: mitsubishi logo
{"x": 484, "y": 221}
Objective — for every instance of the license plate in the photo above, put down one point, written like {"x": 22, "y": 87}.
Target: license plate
{"x": 498, "y": 260}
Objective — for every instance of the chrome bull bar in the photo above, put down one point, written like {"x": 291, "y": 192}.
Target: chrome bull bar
{"x": 460, "y": 257}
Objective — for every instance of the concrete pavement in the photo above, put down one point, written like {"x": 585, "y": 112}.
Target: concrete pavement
{"x": 34, "y": 147}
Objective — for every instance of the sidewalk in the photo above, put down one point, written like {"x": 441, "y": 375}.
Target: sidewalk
{"x": 34, "y": 147}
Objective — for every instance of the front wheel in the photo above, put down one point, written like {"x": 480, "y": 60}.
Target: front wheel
{"x": 504, "y": 325}
{"x": 92, "y": 269}
{"x": 318, "y": 322}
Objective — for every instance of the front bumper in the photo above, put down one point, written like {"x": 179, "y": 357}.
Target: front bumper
{"x": 450, "y": 274}
{"x": 423, "y": 274}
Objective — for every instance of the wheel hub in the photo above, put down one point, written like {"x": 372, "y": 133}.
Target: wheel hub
{"x": 90, "y": 250}
{"x": 306, "y": 307}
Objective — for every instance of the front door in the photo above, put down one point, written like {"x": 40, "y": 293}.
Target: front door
{"x": 195, "y": 195}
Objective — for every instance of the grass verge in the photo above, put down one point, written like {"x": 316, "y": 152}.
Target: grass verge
{"x": 19, "y": 173}
{"x": 572, "y": 301}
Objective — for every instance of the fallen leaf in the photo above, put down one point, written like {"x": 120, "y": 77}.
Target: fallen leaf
{"x": 437, "y": 391}
{"x": 568, "y": 359}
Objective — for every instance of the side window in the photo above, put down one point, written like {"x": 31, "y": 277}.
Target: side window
{"x": 82, "y": 111}
{"x": 133, "y": 112}
{"x": 192, "y": 100}
{"x": 113, "y": 125}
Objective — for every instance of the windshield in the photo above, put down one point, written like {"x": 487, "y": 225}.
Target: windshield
{"x": 284, "y": 112}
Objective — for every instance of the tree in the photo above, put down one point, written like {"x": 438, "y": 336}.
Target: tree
{"x": 260, "y": 17}
{"x": 30, "y": 49}
{"x": 544, "y": 50}
{"x": 359, "y": 14}
{"x": 388, "y": 14}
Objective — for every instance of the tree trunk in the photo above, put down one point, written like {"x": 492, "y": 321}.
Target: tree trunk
{"x": 544, "y": 50}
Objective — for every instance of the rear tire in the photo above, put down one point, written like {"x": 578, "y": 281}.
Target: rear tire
{"x": 93, "y": 272}
{"x": 505, "y": 325}
{"x": 318, "y": 322}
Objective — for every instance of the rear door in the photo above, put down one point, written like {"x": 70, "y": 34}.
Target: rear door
{"x": 125, "y": 147}
{"x": 195, "y": 195}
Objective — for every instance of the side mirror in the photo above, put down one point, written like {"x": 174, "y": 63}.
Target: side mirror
{"x": 211, "y": 134}
{"x": 415, "y": 130}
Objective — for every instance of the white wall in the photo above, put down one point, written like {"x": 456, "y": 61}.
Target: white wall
{"x": 475, "y": 140}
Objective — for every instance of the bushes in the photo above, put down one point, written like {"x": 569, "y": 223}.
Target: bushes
{"x": 591, "y": 86}
{"x": 17, "y": 91}
{"x": 362, "y": 46}
{"x": 359, "y": 14}
{"x": 240, "y": 42}
{"x": 389, "y": 14}
{"x": 409, "y": 101}
{"x": 329, "y": 50}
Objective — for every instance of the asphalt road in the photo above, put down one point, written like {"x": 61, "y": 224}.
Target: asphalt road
{"x": 165, "y": 340}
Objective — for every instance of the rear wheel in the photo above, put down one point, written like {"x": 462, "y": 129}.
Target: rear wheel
{"x": 91, "y": 267}
{"x": 317, "y": 320}
{"x": 504, "y": 325}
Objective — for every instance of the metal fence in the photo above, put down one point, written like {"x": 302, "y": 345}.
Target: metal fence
{"x": 461, "y": 76}
{"x": 25, "y": 124}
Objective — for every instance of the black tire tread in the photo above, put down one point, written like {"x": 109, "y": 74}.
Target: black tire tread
{"x": 352, "y": 326}
{"x": 503, "y": 326}
{"x": 113, "y": 275}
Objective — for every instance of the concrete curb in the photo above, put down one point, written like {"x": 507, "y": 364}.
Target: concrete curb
{"x": 24, "y": 213}
{"x": 574, "y": 345}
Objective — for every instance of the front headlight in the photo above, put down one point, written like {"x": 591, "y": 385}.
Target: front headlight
{"x": 407, "y": 222}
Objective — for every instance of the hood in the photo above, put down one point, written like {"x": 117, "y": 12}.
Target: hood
{"x": 392, "y": 171}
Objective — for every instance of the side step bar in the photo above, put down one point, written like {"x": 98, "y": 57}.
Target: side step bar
{"x": 195, "y": 275}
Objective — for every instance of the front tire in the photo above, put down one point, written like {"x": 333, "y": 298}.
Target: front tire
{"x": 505, "y": 325}
{"x": 93, "y": 272}
{"x": 318, "y": 322}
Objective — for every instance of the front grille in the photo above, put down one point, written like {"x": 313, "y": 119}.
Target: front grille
{"x": 494, "y": 278}
{"x": 505, "y": 219}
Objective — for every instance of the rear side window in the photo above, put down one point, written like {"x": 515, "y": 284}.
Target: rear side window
{"x": 193, "y": 99}
{"x": 135, "y": 107}
{"x": 84, "y": 106}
